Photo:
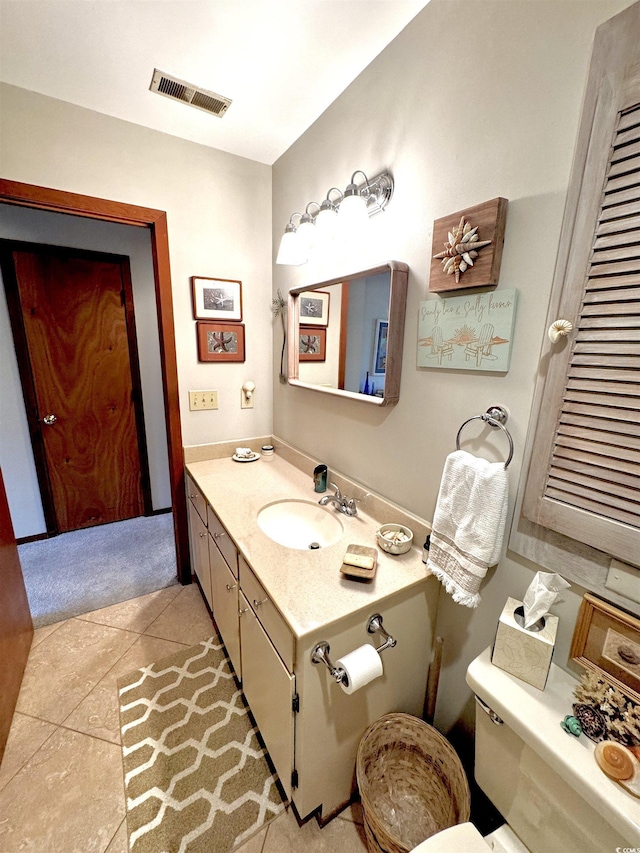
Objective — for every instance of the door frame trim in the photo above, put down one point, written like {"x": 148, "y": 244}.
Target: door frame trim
{"x": 60, "y": 201}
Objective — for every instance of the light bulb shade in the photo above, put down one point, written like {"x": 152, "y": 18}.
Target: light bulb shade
{"x": 292, "y": 251}
{"x": 353, "y": 210}
{"x": 307, "y": 234}
{"x": 326, "y": 222}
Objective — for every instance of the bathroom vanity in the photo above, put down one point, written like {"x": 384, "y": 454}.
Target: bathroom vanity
{"x": 273, "y": 604}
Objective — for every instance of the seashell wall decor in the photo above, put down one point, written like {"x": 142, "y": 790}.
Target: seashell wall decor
{"x": 467, "y": 247}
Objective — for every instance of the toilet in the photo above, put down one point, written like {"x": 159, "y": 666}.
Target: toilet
{"x": 544, "y": 782}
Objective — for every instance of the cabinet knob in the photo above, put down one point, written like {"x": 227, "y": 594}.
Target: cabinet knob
{"x": 193, "y": 497}
{"x": 231, "y": 586}
{"x": 242, "y": 610}
{"x": 259, "y": 603}
{"x": 217, "y": 535}
{"x": 201, "y": 534}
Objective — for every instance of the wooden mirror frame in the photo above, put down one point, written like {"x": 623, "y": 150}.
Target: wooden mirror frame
{"x": 399, "y": 277}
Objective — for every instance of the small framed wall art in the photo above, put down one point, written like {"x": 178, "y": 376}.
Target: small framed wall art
{"x": 607, "y": 641}
{"x": 220, "y": 341}
{"x": 312, "y": 344}
{"x": 216, "y": 299}
{"x": 472, "y": 332}
{"x": 379, "y": 365}
{"x": 314, "y": 308}
{"x": 467, "y": 246}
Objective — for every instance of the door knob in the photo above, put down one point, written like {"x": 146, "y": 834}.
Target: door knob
{"x": 49, "y": 419}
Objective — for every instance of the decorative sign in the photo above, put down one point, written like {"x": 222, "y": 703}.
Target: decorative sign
{"x": 472, "y": 332}
{"x": 467, "y": 247}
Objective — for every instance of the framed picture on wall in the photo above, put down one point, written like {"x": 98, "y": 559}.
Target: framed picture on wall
{"x": 314, "y": 308}
{"x": 379, "y": 365}
{"x": 312, "y": 344}
{"x": 607, "y": 641}
{"x": 220, "y": 341}
{"x": 216, "y": 299}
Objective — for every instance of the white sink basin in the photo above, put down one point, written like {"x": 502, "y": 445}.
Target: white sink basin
{"x": 300, "y": 524}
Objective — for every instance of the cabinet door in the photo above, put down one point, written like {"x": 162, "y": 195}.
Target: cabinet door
{"x": 269, "y": 688}
{"x": 585, "y": 460}
{"x": 199, "y": 551}
{"x": 224, "y": 594}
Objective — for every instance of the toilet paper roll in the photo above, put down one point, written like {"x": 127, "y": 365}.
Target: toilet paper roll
{"x": 361, "y": 666}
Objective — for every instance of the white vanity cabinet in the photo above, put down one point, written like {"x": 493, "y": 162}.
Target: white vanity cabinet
{"x": 214, "y": 560}
{"x": 269, "y": 688}
{"x": 224, "y": 592}
{"x": 223, "y": 563}
{"x": 198, "y": 537}
{"x": 272, "y": 607}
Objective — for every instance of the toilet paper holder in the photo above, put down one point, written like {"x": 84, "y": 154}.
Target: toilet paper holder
{"x": 320, "y": 652}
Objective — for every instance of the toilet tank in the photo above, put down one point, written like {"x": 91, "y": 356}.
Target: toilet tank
{"x": 544, "y": 782}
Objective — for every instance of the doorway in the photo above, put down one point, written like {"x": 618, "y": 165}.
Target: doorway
{"x": 42, "y": 198}
{"x": 74, "y": 329}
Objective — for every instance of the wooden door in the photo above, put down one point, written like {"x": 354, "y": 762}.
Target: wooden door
{"x": 73, "y": 312}
{"x": 16, "y": 630}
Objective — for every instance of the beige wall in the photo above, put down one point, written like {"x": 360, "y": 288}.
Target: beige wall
{"x": 471, "y": 101}
{"x": 219, "y": 218}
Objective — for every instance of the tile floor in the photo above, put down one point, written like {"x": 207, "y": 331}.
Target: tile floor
{"x": 61, "y": 785}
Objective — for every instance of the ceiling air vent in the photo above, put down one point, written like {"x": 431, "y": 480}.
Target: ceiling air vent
{"x": 179, "y": 90}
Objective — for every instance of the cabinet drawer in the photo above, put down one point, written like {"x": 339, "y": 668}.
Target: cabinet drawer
{"x": 196, "y": 497}
{"x": 273, "y": 623}
{"x": 222, "y": 539}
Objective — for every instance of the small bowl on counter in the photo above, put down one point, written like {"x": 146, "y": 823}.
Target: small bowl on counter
{"x": 394, "y": 538}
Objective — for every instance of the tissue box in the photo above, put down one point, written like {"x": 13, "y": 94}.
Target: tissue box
{"x": 525, "y": 654}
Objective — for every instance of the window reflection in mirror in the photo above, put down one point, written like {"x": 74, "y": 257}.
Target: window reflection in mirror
{"x": 347, "y": 334}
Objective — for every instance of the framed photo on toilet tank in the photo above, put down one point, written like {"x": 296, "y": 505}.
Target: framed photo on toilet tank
{"x": 606, "y": 641}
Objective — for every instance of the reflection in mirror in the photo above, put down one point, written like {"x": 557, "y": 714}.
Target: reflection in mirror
{"x": 345, "y": 335}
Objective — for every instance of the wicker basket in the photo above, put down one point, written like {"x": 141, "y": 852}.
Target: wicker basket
{"x": 411, "y": 782}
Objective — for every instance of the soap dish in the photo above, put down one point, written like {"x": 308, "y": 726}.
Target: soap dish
{"x": 360, "y": 561}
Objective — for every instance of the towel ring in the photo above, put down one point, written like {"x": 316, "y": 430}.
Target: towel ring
{"x": 495, "y": 417}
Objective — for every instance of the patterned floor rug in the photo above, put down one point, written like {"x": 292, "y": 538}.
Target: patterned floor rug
{"x": 196, "y": 776}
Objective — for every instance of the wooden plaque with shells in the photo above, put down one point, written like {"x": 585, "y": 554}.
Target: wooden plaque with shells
{"x": 467, "y": 247}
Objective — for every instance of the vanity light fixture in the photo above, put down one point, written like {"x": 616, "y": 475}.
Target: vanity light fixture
{"x": 327, "y": 216}
{"x": 307, "y": 228}
{"x": 353, "y": 207}
{"x": 358, "y": 202}
{"x": 291, "y": 251}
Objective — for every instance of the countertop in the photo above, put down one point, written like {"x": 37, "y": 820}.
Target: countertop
{"x": 306, "y": 586}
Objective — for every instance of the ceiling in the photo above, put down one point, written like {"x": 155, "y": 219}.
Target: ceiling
{"x": 282, "y": 62}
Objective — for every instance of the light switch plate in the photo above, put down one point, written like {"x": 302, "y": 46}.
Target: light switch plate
{"x": 624, "y": 579}
{"x": 201, "y": 400}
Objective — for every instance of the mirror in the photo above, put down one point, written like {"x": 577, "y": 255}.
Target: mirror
{"x": 345, "y": 335}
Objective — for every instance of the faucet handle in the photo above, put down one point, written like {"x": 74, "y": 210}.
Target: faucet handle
{"x": 338, "y": 493}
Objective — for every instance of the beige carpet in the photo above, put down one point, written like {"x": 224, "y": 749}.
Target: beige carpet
{"x": 196, "y": 776}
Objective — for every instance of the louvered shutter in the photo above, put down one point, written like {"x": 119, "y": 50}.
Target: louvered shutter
{"x": 584, "y": 480}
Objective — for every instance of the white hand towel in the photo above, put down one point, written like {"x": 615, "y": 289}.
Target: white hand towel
{"x": 468, "y": 524}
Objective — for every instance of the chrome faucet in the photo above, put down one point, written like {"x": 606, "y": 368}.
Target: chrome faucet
{"x": 342, "y": 503}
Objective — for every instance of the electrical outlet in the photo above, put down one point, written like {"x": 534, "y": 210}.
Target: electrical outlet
{"x": 201, "y": 400}
{"x": 244, "y": 403}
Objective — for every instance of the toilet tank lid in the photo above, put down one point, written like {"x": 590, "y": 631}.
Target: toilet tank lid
{"x": 535, "y": 715}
